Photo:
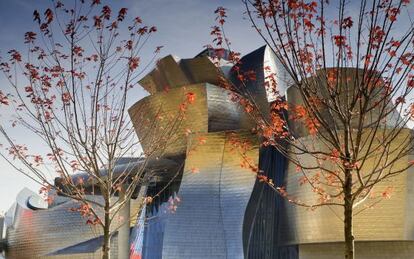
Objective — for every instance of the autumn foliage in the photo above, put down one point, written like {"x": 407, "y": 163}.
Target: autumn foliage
{"x": 69, "y": 90}
{"x": 349, "y": 102}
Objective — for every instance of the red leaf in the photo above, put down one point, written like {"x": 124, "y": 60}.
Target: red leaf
{"x": 190, "y": 97}
{"x": 48, "y": 15}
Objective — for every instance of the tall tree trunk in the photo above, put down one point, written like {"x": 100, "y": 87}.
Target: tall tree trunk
{"x": 348, "y": 219}
{"x": 106, "y": 253}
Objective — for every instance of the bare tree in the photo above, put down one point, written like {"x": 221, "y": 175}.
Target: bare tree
{"x": 70, "y": 92}
{"x": 345, "y": 121}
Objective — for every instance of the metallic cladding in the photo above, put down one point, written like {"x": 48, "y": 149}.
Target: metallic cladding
{"x": 365, "y": 250}
{"x": 225, "y": 212}
{"x": 389, "y": 220}
{"x": 254, "y": 62}
{"x": 347, "y": 79}
{"x": 212, "y": 111}
{"x": 36, "y": 233}
{"x": 264, "y": 214}
{"x": 171, "y": 73}
{"x": 53, "y": 231}
{"x": 209, "y": 221}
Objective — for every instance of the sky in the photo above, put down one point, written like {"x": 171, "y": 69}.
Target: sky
{"x": 183, "y": 29}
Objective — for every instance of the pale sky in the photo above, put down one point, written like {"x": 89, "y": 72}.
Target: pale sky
{"x": 183, "y": 30}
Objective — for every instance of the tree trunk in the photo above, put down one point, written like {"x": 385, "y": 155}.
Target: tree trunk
{"x": 348, "y": 219}
{"x": 106, "y": 253}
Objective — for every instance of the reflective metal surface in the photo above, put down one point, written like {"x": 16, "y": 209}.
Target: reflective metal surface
{"x": 364, "y": 250}
{"x": 388, "y": 220}
{"x": 56, "y": 232}
{"x": 348, "y": 79}
{"x": 171, "y": 72}
{"x": 208, "y": 222}
{"x": 213, "y": 207}
{"x": 211, "y": 111}
{"x": 262, "y": 62}
{"x": 36, "y": 233}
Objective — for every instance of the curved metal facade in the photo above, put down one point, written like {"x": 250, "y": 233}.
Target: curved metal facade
{"x": 209, "y": 221}
{"x": 37, "y": 233}
{"x": 389, "y": 220}
{"x": 212, "y": 111}
{"x": 224, "y": 210}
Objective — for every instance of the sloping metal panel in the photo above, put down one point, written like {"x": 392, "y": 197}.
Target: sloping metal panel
{"x": 264, "y": 214}
{"x": 348, "y": 80}
{"x": 201, "y": 70}
{"x": 389, "y": 220}
{"x": 364, "y": 250}
{"x": 211, "y": 111}
{"x": 208, "y": 222}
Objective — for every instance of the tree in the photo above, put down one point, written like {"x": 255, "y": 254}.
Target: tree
{"x": 348, "y": 109}
{"x": 71, "y": 93}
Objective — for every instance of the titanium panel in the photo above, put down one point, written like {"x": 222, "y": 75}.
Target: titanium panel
{"x": 365, "y": 250}
{"x": 208, "y": 222}
{"x": 36, "y": 233}
{"x": 212, "y": 111}
{"x": 201, "y": 70}
{"x": 347, "y": 81}
{"x": 56, "y": 232}
{"x": 167, "y": 74}
{"x": 264, "y": 213}
{"x": 173, "y": 74}
{"x": 257, "y": 61}
{"x": 389, "y": 220}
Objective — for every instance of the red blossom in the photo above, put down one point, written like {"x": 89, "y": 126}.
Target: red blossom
{"x": 36, "y": 16}
{"x": 347, "y": 23}
{"x": 152, "y": 29}
{"x": 194, "y": 170}
{"x": 66, "y": 97}
{"x": 221, "y": 14}
{"x": 376, "y": 36}
{"x": 3, "y": 98}
{"x": 48, "y": 16}
{"x": 29, "y": 37}
{"x": 15, "y": 56}
{"x": 158, "y": 49}
{"x": 96, "y": 2}
{"x": 121, "y": 14}
{"x": 143, "y": 30}
{"x": 393, "y": 13}
{"x": 138, "y": 20}
{"x": 106, "y": 12}
{"x": 410, "y": 82}
{"x": 340, "y": 40}
{"x": 183, "y": 107}
{"x": 18, "y": 151}
{"x": 190, "y": 97}
{"x": 77, "y": 50}
{"x": 133, "y": 63}
{"x": 129, "y": 44}
{"x": 202, "y": 140}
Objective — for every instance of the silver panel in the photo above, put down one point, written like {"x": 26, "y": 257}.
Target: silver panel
{"x": 257, "y": 61}
{"x": 363, "y": 250}
{"x": 212, "y": 110}
{"x": 390, "y": 219}
{"x": 208, "y": 222}
{"x": 347, "y": 84}
{"x": 171, "y": 73}
{"x": 200, "y": 70}
{"x": 37, "y": 233}
{"x": 167, "y": 74}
